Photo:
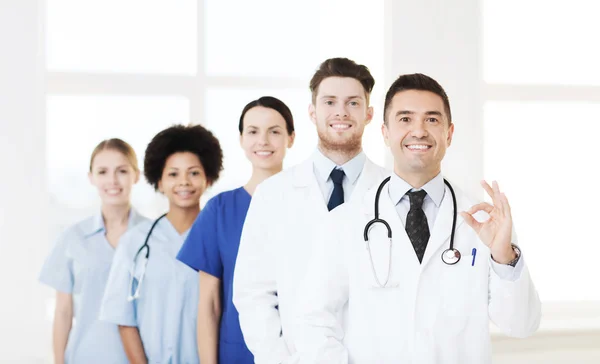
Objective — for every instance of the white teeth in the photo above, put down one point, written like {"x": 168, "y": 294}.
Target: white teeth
{"x": 184, "y": 193}
{"x": 263, "y": 154}
{"x": 340, "y": 126}
{"x": 420, "y": 147}
{"x": 113, "y": 191}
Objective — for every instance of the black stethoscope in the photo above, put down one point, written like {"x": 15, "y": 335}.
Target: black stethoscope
{"x": 136, "y": 295}
{"x": 450, "y": 256}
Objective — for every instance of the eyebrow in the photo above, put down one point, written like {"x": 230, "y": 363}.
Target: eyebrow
{"x": 121, "y": 166}
{"x": 408, "y": 112}
{"x": 347, "y": 98}
{"x": 192, "y": 167}
{"x": 256, "y": 127}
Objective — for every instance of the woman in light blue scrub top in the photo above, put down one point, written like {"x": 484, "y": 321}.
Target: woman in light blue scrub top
{"x": 150, "y": 294}
{"x": 79, "y": 264}
{"x": 266, "y": 131}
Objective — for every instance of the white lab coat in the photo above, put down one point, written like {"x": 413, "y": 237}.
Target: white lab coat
{"x": 274, "y": 250}
{"x": 431, "y": 313}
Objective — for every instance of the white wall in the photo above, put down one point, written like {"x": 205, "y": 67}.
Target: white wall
{"x": 23, "y": 198}
{"x": 442, "y": 40}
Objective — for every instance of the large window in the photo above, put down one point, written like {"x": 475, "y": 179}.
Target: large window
{"x": 541, "y": 115}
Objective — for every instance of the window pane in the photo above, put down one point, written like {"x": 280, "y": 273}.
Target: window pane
{"x": 133, "y": 36}
{"x": 293, "y": 42}
{"x": 76, "y": 124}
{"x": 224, "y": 107}
{"x": 541, "y": 42}
{"x": 550, "y": 178}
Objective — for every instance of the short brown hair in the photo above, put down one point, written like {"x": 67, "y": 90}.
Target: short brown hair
{"x": 342, "y": 67}
{"x": 419, "y": 82}
{"x": 121, "y": 147}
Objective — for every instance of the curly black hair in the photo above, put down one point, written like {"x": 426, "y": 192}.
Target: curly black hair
{"x": 180, "y": 138}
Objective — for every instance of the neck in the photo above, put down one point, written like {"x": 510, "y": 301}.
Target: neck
{"x": 339, "y": 157}
{"x": 416, "y": 180}
{"x": 259, "y": 175}
{"x": 115, "y": 215}
{"x": 183, "y": 218}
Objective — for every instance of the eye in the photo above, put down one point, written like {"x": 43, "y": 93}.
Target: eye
{"x": 195, "y": 173}
{"x": 123, "y": 171}
{"x": 404, "y": 119}
{"x": 172, "y": 174}
{"x": 328, "y": 102}
{"x": 252, "y": 132}
{"x": 432, "y": 120}
{"x": 275, "y": 132}
{"x": 101, "y": 172}
{"x": 353, "y": 103}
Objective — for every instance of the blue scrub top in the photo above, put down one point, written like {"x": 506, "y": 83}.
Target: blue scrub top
{"x": 79, "y": 264}
{"x": 212, "y": 247}
{"x": 166, "y": 310}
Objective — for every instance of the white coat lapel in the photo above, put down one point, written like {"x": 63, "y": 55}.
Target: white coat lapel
{"x": 369, "y": 176}
{"x": 305, "y": 185}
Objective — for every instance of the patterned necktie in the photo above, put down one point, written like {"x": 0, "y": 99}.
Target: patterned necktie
{"x": 416, "y": 223}
{"x": 337, "y": 197}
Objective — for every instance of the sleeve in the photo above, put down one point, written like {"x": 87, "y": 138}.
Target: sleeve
{"x": 57, "y": 271}
{"x": 514, "y": 304}
{"x": 200, "y": 251}
{"x": 322, "y": 296}
{"x": 254, "y": 284}
{"x": 115, "y": 307}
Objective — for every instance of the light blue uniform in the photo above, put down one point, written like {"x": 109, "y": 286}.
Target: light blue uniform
{"x": 166, "y": 310}
{"x": 79, "y": 264}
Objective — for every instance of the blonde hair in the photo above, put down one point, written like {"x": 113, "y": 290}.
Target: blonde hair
{"x": 121, "y": 147}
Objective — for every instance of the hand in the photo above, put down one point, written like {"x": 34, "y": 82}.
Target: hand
{"x": 495, "y": 232}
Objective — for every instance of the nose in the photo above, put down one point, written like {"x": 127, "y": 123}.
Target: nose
{"x": 419, "y": 129}
{"x": 184, "y": 179}
{"x": 263, "y": 139}
{"x": 341, "y": 110}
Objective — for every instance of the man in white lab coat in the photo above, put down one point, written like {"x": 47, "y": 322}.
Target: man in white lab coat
{"x": 285, "y": 209}
{"x": 410, "y": 300}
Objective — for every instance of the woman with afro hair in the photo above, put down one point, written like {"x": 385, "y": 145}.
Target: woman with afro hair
{"x": 150, "y": 295}
{"x": 266, "y": 130}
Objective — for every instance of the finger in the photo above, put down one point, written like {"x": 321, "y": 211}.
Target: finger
{"x": 474, "y": 224}
{"x": 483, "y": 206}
{"x": 487, "y": 189}
{"x": 506, "y": 206}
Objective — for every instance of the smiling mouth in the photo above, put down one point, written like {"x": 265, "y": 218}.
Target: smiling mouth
{"x": 340, "y": 127}
{"x": 185, "y": 194}
{"x": 418, "y": 147}
{"x": 264, "y": 153}
{"x": 113, "y": 191}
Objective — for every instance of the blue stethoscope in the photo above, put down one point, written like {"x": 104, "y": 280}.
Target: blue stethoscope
{"x": 450, "y": 256}
{"x": 136, "y": 295}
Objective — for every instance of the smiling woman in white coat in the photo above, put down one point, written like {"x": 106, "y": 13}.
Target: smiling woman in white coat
{"x": 286, "y": 208}
{"x": 410, "y": 299}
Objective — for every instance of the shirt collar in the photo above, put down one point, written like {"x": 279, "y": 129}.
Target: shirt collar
{"x": 352, "y": 169}
{"x": 435, "y": 189}
{"x": 97, "y": 222}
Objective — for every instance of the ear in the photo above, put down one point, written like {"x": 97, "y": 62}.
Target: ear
{"x": 137, "y": 177}
{"x": 312, "y": 113}
{"x": 370, "y": 113}
{"x": 450, "y": 134}
{"x": 291, "y": 139}
{"x": 91, "y": 177}
{"x": 385, "y": 133}
{"x": 160, "y": 189}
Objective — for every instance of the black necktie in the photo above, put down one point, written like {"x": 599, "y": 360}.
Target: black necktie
{"x": 337, "y": 197}
{"x": 416, "y": 223}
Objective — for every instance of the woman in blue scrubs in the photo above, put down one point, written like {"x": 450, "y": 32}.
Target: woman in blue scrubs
{"x": 266, "y": 130}
{"x": 79, "y": 264}
{"x": 150, "y": 295}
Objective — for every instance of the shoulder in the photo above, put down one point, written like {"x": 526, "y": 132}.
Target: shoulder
{"x": 77, "y": 231}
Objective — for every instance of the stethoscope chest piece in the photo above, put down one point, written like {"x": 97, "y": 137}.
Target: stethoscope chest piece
{"x": 451, "y": 256}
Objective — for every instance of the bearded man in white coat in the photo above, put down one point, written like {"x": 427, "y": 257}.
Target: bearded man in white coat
{"x": 410, "y": 298}
{"x": 285, "y": 209}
